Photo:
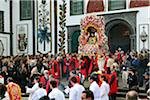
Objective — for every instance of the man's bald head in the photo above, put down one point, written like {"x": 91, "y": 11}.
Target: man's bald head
{"x": 132, "y": 95}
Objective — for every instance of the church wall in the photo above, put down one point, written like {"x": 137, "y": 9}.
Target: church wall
{"x": 17, "y": 23}
{"x": 4, "y": 36}
{"x": 4, "y": 6}
{"x": 143, "y": 19}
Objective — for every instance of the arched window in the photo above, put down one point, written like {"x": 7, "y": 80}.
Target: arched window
{"x": 95, "y": 6}
{"x": 116, "y": 4}
{"x": 25, "y": 9}
{"x": 139, "y": 3}
{"x": 76, "y": 7}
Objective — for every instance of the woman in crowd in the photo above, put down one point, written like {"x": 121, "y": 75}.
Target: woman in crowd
{"x": 3, "y": 92}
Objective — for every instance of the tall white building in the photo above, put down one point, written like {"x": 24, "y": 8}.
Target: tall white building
{"x": 40, "y": 26}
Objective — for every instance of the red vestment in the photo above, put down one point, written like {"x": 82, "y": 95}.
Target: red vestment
{"x": 77, "y": 64}
{"x": 43, "y": 81}
{"x": 114, "y": 85}
{"x": 55, "y": 70}
{"x": 105, "y": 64}
{"x": 67, "y": 63}
{"x": 93, "y": 65}
{"x": 83, "y": 68}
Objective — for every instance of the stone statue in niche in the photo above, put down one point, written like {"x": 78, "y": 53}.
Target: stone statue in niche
{"x": 22, "y": 42}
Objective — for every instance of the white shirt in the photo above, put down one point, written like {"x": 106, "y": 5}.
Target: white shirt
{"x": 40, "y": 92}
{"x": 1, "y": 79}
{"x": 56, "y": 94}
{"x": 32, "y": 91}
{"x": 94, "y": 87}
{"x": 6, "y": 96}
{"x": 104, "y": 91}
{"x": 76, "y": 92}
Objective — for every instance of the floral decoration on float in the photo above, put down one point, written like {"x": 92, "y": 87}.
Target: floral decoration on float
{"x": 92, "y": 39}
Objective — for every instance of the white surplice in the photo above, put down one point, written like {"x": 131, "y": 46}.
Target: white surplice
{"x": 104, "y": 91}
{"x": 76, "y": 92}
{"x": 94, "y": 87}
{"x": 32, "y": 91}
{"x": 56, "y": 94}
{"x": 39, "y": 93}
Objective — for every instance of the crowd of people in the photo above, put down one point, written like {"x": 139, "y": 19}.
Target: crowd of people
{"x": 40, "y": 75}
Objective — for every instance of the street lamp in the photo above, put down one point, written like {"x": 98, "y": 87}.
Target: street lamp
{"x": 143, "y": 37}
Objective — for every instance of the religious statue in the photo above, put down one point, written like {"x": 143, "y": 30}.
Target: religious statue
{"x": 22, "y": 42}
{"x": 92, "y": 39}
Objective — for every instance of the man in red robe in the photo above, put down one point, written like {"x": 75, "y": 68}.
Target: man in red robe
{"x": 83, "y": 66}
{"x": 105, "y": 64}
{"x": 67, "y": 66}
{"x": 113, "y": 82}
{"x": 93, "y": 65}
{"x": 55, "y": 69}
{"x": 44, "y": 78}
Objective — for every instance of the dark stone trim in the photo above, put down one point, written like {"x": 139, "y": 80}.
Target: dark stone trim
{"x": 55, "y": 24}
{"x": 11, "y": 28}
{"x": 2, "y": 20}
{"x": 120, "y": 12}
{"x": 5, "y": 33}
{"x": 33, "y": 25}
{"x": 73, "y": 26}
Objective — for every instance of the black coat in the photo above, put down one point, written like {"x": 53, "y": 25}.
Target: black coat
{"x": 132, "y": 80}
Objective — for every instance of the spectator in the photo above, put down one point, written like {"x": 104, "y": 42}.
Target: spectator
{"x": 147, "y": 80}
{"x": 148, "y": 94}
{"x": 87, "y": 95}
{"x": 4, "y": 73}
{"x": 132, "y": 95}
{"x": 132, "y": 78}
{"x": 44, "y": 98}
{"x": 1, "y": 79}
{"x": 3, "y": 92}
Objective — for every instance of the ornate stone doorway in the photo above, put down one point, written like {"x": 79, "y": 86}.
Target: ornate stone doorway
{"x": 119, "y": 33}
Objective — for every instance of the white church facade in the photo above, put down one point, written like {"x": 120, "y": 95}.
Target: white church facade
{"x": 41, "y": 26}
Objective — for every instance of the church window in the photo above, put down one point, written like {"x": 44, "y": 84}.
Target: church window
{"x": 25, "y": 10}
{"x": 116, "y": 4}
{"x": 76, "y": 7}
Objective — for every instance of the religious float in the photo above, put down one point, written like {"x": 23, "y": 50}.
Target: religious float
{"x": 92, "y": 39}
